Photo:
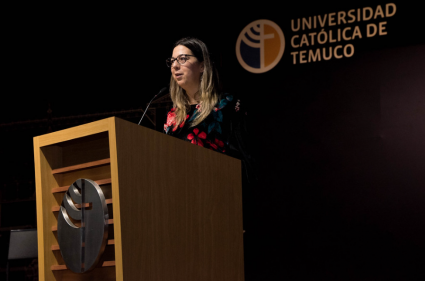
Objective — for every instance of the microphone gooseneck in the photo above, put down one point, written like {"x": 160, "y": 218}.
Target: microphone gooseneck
{"x": 161, "y": 92}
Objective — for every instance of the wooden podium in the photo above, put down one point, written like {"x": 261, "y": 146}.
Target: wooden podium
{"x": 175, "y": 208}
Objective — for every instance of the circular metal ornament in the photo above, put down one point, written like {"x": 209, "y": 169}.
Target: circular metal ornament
{"x": 83, "y": 225}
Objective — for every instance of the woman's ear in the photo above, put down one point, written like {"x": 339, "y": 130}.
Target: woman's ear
{"x": 202, "y": 67}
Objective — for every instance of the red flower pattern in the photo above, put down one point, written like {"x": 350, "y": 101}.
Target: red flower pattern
{"x": 171, "y": 120}
{"x": 196, "y": 137}
{"x": 216, "y": 144}
{"x": 181, "y": 124}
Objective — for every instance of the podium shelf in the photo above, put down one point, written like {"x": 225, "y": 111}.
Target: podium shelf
{"x": 57, "y": 208}
{"x": 63, "y": 267}
{"x": 55, "y": 228}
{"x": 65, "y": 188}
{"x": 82, "y": 166}
{"x": 57, "y": 248}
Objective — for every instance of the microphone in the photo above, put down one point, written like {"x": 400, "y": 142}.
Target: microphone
{"x": 162, "y": 92}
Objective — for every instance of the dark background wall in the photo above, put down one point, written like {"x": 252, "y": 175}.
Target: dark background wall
{"x": 339, "y": 143}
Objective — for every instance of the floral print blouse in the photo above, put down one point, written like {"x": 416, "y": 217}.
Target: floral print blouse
{"x": 221, "y": 131}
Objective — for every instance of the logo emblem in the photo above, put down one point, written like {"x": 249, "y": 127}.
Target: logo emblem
{"x": 84, "y": 205}
{"x": 260, "y": 46}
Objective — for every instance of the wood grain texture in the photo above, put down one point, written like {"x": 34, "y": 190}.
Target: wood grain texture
{"x": 183, "y": 206}
{"x": 81, "y": 166}
{"x": 116, "y": 206}
{"x": 45, "y": 201}
{"x": 75, "y": 132}
{"x": 39, "y": 206}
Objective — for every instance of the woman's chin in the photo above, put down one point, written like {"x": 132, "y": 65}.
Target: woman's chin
{"x": 181, "y": 84}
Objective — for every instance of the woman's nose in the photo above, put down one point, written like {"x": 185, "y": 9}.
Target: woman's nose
{"x": 175, "y": 64}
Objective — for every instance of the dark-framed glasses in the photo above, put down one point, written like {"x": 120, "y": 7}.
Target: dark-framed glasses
{"x": 181, "y": 59}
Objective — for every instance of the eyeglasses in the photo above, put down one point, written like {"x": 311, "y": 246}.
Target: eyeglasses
{"x": 181, "y": 59}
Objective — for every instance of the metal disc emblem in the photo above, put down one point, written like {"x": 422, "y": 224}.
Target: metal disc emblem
{"x": 82, "y": 246}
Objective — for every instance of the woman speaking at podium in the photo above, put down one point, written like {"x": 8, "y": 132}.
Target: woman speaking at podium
{"x": 201, "y": 114}
{"x": 205, "y": 116}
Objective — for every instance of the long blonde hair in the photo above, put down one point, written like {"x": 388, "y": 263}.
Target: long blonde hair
{"x": 208, "y": 88}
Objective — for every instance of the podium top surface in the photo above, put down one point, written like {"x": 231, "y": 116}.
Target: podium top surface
{"x": 88, "y": 129}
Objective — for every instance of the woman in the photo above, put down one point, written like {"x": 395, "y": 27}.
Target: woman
{"x": 200, "y": 113}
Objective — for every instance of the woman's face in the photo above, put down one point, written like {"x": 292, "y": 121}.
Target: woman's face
{"x": 187, "y": 75}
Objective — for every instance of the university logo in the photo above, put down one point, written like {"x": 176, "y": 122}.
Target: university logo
{"x": 260, "y": 46}
{"x": 83, "y": 225}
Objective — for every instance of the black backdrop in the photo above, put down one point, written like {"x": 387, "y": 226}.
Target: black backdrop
{"x": 340, "y": 143}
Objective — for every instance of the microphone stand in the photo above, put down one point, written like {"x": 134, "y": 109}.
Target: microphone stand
{"x": 162, "y": 91}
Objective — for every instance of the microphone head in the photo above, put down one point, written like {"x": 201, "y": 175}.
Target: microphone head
{"x": 162, "y": 92}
